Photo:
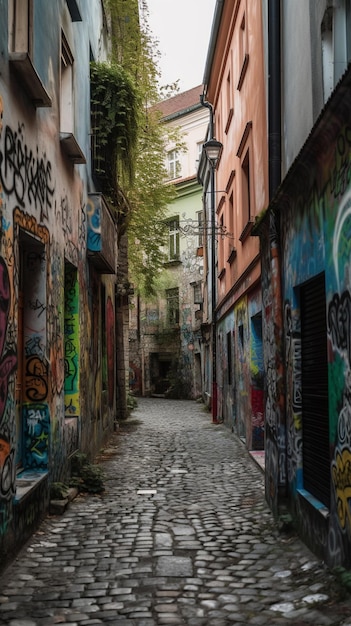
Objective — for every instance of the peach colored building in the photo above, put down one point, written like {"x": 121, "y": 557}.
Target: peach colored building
{"x": 234, "y": 85}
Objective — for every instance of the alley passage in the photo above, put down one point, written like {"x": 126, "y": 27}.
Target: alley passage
{"x": 181, "y": 535}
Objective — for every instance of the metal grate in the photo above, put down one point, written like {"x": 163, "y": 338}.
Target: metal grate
{"x": 314, "y": 366}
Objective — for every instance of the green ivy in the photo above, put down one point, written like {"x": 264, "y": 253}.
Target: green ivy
{"x": 114, "y": 107}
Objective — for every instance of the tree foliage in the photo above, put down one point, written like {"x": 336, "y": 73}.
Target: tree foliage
{"x": 136, "y": 51}
{"x": 114, "y": 113}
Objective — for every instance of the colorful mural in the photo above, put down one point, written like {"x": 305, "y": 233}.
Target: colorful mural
{"x": 240, "y": 370}
{"x": 52, "y": 392}
{"x": 71, "y": 334}
{"x": 315, "y": 237}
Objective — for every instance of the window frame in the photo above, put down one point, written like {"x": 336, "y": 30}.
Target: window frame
{"x": 20, "y": 23}
{"x": 172, "y": 299}
{"x": 173, "y": 164}
{"x": 173, "y": 239}
{"x": 246, "y": 182}
{"x": 66, "y": 87}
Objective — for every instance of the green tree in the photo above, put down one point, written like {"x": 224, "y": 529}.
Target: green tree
{"x": 145, "y": 193}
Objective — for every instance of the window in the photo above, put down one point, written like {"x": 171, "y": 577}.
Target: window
{"x": 247, "y": 210}
{"x": 246, "y": 200}
{"x": 173, "y": 164}
{"x": 327, "y": 53}
{"x": 241, "y": 335}
{"x": 200, "y": 224}
{"x": 20, "y": 26}
{"x": 228, "y": 92}
{"x": 198, "y": 152}
{"x": 172, "y": 296}
{"x": 197, "y": 292}
{"x": 228, "y": 104}
{"x": 66, "y": 109}
{"x": 174, "y": 239}
{"x": 20, "y": 43}
{"x": 336, "y": 44}
{"x": 67, "y": 138}
{"x": 243, "y": 49}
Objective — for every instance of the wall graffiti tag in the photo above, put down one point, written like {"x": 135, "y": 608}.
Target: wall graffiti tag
{"x": 94, "y": 226}
{"x": 23, "y": 173}
{"x": 71, "y": 348}
{"x": 36, "y": 425}
{"x": 341, "y": 473}
{"x": 8, "y": 358}
{"x": 8, "y": 364}
{"x": 339, "y": 323}
{"x": 36, "y": 378}
{"x": 29, "y": 223}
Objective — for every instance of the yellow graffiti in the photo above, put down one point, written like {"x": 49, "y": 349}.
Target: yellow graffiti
{"x": 297, "y": 419}
{"x": 28, "y": 222}
{"x": 341, "y": 474}
{"x": 4, "y": 451}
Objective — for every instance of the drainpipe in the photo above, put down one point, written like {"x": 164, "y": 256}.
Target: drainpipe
{"x": 274, "y": 96}
{"x": 274, "y": 164}
{"x": 214, "y": 403}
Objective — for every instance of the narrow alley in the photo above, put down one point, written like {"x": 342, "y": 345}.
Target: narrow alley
{"x": 181, "y": 535}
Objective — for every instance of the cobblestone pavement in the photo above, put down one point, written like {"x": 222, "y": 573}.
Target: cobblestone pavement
{"x": 181, "y": 535}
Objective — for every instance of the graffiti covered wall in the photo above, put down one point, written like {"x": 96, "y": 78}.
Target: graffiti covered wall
{"x": 315, "y": 222}
{"x": 240, "y": 370}
{"x": 49, "y": 288}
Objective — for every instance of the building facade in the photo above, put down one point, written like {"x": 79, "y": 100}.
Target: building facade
{"x": 281, "y": 310}
{"x": 165, "y": 332}
{"x": 234, "y": 87}
{"x": 58, "y": 251}
{"x": 304, "y": 239}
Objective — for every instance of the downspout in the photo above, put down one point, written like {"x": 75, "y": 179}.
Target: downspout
{"x": 274, "y": 96}
{"x": 214, "y": 402}
{"x": 274, "y": 165}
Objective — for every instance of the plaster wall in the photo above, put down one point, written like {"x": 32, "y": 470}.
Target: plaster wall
{"x": 57, "y": 379}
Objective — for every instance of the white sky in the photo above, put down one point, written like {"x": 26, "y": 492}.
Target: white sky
{"x": 182, "y": 28}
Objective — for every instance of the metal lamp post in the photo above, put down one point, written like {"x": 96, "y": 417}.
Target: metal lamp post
{"x": 213, "y": 149}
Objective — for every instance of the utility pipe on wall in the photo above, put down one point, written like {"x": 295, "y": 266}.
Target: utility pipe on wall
{"x": 214, "y": 402}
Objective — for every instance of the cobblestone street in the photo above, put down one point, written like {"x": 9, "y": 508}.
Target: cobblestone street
{"x": 181, "y": 535}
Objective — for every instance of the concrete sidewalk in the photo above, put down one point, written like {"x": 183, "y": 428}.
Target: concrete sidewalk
{"x": 181, "y": 535}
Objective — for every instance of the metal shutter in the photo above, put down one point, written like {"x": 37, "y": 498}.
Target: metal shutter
{"x": 315, "y": 415}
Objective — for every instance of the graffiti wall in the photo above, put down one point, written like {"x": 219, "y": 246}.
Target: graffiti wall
{"x": 315, "y": 223}
{"x": 71, "y": 335}
{"x": 225, "y": 370}
{"x": 240, "y": 370}
{"x": 256, "y": 371}
{"x": 58, "y": 251}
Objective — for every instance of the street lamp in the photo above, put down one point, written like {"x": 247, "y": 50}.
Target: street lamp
{"x": 213, "y": 149}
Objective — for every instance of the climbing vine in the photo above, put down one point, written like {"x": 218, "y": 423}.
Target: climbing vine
{"x": 114, "y": 112}
{"x": 142, "y": 196}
